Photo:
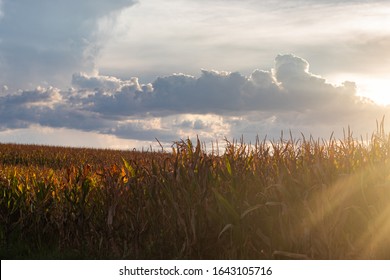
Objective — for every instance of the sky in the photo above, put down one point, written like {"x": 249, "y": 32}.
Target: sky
{"x": 121, "y": 74}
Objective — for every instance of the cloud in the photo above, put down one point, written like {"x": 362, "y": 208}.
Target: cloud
{"x": 289, "y": 86}
{"x": 4, "y": 89}
{"x": 85, "y": 81}
{"x": 1, "y": 9}
{"x": 226, "y": 34}
{"x": 45, "y": 41}
{"x": 214, "y": 105}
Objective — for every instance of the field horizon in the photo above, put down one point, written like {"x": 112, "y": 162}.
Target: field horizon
{"x": 290, "y": 198}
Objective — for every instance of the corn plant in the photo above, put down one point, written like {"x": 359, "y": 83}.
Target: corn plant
{"x": 288, "y": 198}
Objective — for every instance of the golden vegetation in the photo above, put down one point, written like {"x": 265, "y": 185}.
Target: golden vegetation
{"x": 305, "y": 198}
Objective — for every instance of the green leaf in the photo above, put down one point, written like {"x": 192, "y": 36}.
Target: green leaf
{"x": 227, "y": 207}
{"x": 228, "y": 166}
{"x": 129, "y": 168}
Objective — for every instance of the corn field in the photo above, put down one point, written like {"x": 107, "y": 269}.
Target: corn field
{"x": 287, "y": 199}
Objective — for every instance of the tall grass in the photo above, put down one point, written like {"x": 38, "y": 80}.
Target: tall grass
{"x": 292, "y": 198}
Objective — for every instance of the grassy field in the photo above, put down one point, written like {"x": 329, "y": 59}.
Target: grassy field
{"x": 287, "y": 199}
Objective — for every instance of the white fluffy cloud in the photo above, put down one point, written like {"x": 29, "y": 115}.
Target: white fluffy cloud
{"x": 289, "y": 86}
{"x": 214, "y": 105}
